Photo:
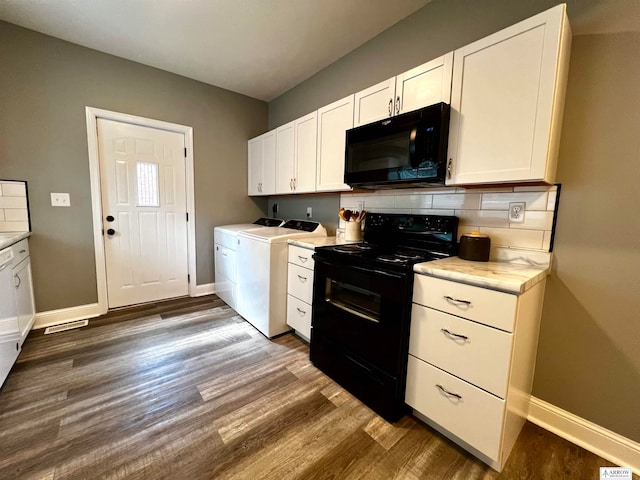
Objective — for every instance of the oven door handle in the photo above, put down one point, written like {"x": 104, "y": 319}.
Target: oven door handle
{"x": 397, "y": 276}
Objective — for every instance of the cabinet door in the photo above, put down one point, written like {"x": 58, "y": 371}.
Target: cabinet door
{"x": 333, "y": 122}
{"x": 375, "y": 103}
{"x": 306, "y": 138}
{"x": 425, "y": 85}
{"x": 285, "y": 158}
{"x": 254, "y": 170}
{"x": 24, "y": 297}
{"x": 505, "y": 89}
{"x": 268, "y": 184}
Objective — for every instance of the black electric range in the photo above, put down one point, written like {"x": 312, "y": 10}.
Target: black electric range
{"x": 362, "y": 304}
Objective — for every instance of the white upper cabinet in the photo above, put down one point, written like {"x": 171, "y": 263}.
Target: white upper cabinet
{"x": 306, "y": 127}
{"x": 419, "y": 87}
{"x": 507, "y": 103}
{"x": 285, "y": 158}
{"x": 374, "y": 103}
{"x": 296, "y": 155}
{"x": 333, "y": 122}
{"x": 262, "y": 164}
{"x": 424, "y": 85}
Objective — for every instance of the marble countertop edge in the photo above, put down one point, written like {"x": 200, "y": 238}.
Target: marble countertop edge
{"x": 9, "y": 238}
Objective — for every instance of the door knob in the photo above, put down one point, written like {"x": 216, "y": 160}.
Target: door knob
{"x": 111, "y": 231}
{"x": 110, "y": 218}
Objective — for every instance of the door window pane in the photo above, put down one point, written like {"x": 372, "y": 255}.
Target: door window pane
{"x": 147, "y": 178}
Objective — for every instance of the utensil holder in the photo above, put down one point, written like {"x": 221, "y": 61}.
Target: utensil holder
{"x": 353, "y": 231}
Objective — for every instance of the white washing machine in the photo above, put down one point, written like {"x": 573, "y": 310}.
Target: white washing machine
{"x": 225, "y": 239}
{"x": 262, "y": 273}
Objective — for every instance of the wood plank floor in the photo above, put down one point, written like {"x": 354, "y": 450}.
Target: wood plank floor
{"x": 188, "y": 390}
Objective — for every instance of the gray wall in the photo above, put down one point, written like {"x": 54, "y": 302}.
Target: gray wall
{"x": 589, "y": 348}
{"x": 44, "y": 87}
{"x": 324, "y": 209}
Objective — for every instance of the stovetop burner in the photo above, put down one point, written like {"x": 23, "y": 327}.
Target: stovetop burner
{"x": 353, "y": 248}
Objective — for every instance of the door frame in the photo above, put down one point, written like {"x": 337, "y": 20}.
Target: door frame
{"x": 93, "y": 114}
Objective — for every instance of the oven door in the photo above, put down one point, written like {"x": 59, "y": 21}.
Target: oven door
{"x": 364, "y": 312}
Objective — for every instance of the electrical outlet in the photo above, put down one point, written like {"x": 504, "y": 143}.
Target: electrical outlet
{"x": 361, "y": 205}
{"x": 275, "y": 208}
{"x": 60, "y": 200}
{"x": 516, "y": 212}
{"x": 309, "y": 212}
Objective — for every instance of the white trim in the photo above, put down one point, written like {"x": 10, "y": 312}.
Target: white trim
{"x": 96, "y": 199}
{"x": 594, "y": 438}
{"x": 65, "y": 315}
{"x": 204, "y": 289}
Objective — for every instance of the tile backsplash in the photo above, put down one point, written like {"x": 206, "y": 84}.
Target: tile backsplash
{"x": 485, "y": 210}
{"x": 14, "y": 212}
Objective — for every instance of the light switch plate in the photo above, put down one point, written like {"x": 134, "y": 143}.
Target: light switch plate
{"x": 60, "y": 200}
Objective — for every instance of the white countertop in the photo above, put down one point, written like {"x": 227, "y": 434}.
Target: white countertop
{"x": 312, "y": 242}
{"x": 9, "y": 238}
{"x": 513, "y": 275}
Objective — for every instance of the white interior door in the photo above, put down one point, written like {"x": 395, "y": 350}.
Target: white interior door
{"x": 143, "y": 183}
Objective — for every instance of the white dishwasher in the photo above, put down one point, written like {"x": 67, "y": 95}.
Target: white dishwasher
{"x": 9, "y": 330}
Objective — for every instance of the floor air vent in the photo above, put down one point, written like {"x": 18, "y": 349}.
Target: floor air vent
{"x": 66, "y": 326}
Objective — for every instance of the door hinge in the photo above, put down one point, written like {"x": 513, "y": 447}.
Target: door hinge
{"x": 187, "y": 216}
{"x": 188, "y": 278}
{"x": 185, "y": 152}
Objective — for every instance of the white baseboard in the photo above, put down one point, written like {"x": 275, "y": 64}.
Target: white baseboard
{"x": 594, "y": 438}
{"x": 204, "y": 289}
{"x": 65, "y": 315}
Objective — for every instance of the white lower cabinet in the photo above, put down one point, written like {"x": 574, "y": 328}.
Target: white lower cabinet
{"x": 300, "y": 290}
{"x": 471, "y": 363}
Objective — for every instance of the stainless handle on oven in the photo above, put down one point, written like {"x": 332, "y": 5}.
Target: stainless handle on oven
{"x": 447, "y": 392}
{"x": 300, "y": 311}
{"x": 451, "y": 334}
{"x": 456, "y": 300}
{"x": 302, "y": 279}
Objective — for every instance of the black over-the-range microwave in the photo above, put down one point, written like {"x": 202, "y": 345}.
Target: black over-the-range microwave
{"x": 399, "y": 151}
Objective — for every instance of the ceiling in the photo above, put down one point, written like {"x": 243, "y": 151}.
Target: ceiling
{"x": 260, "y": 48}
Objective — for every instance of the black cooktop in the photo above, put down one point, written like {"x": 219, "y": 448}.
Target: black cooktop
{"x": 397, "y": 242}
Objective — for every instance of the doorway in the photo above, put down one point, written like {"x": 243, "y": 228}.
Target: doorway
{"x": 142, "y": 195}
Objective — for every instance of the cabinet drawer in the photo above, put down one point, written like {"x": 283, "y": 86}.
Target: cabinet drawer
{"x": 496, "y": 309}
{"x": 20, "y": 251}
{"x": 301, "y": 256}
{"x": 300, "y": 283}
{"x": 475, "y": 416}
{"x": 226, "y": 262}
{"x": 482, "y": 358}
{"x": 299, "y": 316}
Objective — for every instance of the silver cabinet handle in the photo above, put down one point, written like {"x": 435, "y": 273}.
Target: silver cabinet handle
{"x": 300, "y": 311}
{"x": 448, "y": 393}
{"x": 397, "y": 104}
{"x": 449, "y": 167}
{"x": 390, "y": 106}
{"x": 455, "y": 335}
{"x": 302, "y": 279}
{"x": 303, "y": 259}
{"x": 22, "y": 251}
{"x": 224, "y": 254}
{"x": 16, "y": 276}
{"x": 457, "y": 301}
{"x": 295, "y": 183}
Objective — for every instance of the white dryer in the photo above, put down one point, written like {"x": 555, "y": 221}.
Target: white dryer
{"x": 225, "y": 239}
{"x": 262, "y": 273}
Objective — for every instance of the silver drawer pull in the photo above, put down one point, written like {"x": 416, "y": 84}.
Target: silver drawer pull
{"x": 302, "y": 279}
{"x": 457, "y": 301}
{"x": 224, "y": 253}
{"x": 455, "y": 335}
{"x": 303, "y": 259}
{"x": 300, "y": 311}
{"x": 448, "y": 393}
{"x": 22, "y": 251}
